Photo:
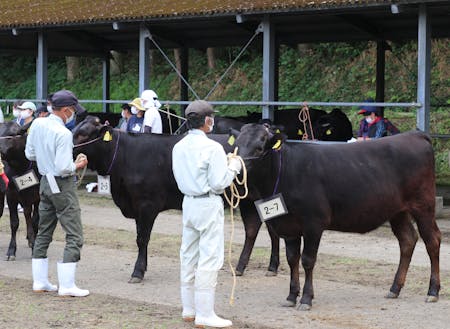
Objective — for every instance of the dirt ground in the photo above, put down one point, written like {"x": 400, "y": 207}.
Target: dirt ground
{"x": 352, "y": 275}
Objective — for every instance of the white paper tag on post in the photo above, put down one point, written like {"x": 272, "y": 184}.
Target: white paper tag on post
{"x": 104, "y": 184}
{"x": 26, "y": 180}
{"x": 271, "y": 207}
{"x": 52, "y": 183}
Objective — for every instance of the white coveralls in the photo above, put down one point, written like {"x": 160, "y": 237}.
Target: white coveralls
{"x": 201, "y": 170}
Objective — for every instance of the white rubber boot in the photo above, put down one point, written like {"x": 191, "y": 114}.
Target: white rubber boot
{"x": 187, "y": 300}
{"x": 39, "y": 268}
{"x": 204, "y": 307}
{"x": 66, "y": 278}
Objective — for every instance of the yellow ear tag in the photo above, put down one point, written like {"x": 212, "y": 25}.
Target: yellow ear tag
{"x": 277, "y": 145}
{"x": 107, "y": 137}
{"x": 299, "y": 132}
{"x": 231, "y": 140}
{"x": 277, "y": 131}
{"x": 328, "y": 132}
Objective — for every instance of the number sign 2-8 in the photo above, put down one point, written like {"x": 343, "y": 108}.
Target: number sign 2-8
{"x": 26, "y": 180}
{"x": 271, "y": 207}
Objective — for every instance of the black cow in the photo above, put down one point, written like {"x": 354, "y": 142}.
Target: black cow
{"x": 345, "y": 187}
{"x": 12, "y": 148}
{"x": 142, "y": 183}
{"x": 333, "y": 126}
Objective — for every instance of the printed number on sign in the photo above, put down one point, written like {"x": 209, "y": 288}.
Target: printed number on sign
{"x": 271, "y": 207}
{"x": 104, "y": 185}
{"x": 26, "y": 180}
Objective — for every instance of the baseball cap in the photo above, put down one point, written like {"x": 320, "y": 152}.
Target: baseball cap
{"x": 199, "y": 107}
{"x": 27, "y": 106}
{"x": 66, "y": 98}
{"x": 367, "y": 109}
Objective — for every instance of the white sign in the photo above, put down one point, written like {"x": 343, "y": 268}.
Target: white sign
{"x": 104, "y": 185}
{"x": 271, "y": 207}
{"x": 26, "y": 180}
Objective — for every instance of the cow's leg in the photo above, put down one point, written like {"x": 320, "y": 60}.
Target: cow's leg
{"x": 309, "y": 256}
{"x": 431, "y": 236}
{"x": 252, "y": 224}
{"x": 14, "y": 225}
{"x": 274, "y": 253}
{"x": 27, "y": 210}
{"x": 293, "y": 257}
{"x": 407, "y": 237}
{"x": 143, "y": 229}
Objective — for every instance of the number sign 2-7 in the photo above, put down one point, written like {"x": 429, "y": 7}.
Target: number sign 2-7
{"x": 271, "y": 207}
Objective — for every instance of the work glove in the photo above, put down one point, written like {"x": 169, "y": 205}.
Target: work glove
{"x": 234, "y": 163}
{"x": 80, "y": 159}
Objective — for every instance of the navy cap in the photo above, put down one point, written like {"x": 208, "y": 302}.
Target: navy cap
{"x": 367, "y": 109}
{"x": 66, "y": 98}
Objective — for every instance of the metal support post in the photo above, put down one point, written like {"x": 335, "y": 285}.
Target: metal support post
{"x": 423, "y": 69}
{"x": 41, "y": 67}
{"x": 268, "y": 92}
{"x": 144, "y": 59}
{"x": 106, "y": 82}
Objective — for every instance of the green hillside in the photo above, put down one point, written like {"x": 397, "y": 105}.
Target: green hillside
{"x": 320, "y": 72}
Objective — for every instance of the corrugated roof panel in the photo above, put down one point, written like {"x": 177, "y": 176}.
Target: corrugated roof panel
{"x": 31, "y": 13}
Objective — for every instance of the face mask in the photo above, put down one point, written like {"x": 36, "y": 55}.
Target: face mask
{"x": 71, "y": 118}
{"x": 49, "y": 109}
{"x": 134, "y": 110}
{"x": 16, "y": 113}
{"x": 123, "y": 114}
{"x": 25, "y": 114}
{"x": 210, "y": 124}
{"x": 369, "y": 120}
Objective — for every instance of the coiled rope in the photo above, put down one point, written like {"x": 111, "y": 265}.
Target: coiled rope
{"x": 234, "y": 200}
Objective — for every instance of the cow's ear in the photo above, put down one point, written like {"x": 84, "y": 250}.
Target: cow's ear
{"x": 106, "y": 132}
{"x": 276, "y": 141}
{"x": 233, "y": 135}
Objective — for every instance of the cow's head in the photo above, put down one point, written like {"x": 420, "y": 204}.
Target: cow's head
{"x": 255, "y": 141}
{"x": 87, "y": 130}
{"x": 87, "y": 133}
{"x": 12, "y": 140}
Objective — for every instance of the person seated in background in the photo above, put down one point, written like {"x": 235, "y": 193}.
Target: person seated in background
{"x": 26, "y": 114}
{"x": 372, "y": 126}
{"x": 126, "y": 115}
{"x": 136, "y": 121}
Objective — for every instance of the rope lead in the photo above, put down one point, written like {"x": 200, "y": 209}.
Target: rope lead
{"x": 233, "y": 200}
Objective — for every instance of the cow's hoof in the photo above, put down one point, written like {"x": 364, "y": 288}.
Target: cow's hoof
{"x": 239, "y": 273}
{"x": 431, "y": 299}
{"x": 271, "y": 273}
{"x": 304, "y": 307}
{"x": 391, "y": 295}
{"x": 288, "y": 303}
{"x": 134, "y": 279}
{"x": 10, "y": 258}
